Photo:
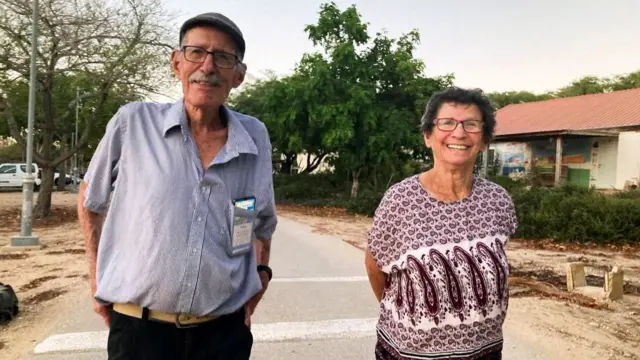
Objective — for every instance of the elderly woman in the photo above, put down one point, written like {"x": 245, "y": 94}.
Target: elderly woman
{"x": 436, "y": 252}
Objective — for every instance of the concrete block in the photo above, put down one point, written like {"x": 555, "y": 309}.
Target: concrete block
{"x": 18, "y": 241}
{"x": 614, "y": 283}
{"x": 575, "y": 276}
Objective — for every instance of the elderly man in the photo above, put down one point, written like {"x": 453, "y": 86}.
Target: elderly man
{"x": 179, "y": 261}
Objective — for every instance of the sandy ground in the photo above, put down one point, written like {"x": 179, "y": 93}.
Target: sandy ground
{"x": 45, "y": 280}
{"x": 49, "y": 280}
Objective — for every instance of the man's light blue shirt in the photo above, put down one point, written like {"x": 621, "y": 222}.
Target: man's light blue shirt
{"x": 169, "y": 220}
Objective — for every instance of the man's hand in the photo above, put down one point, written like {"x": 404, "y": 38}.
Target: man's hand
{"x": 251, "y": 305}
{"x": 102, "y": 310}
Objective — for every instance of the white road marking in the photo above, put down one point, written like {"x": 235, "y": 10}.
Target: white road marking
{"x": 322, "y": 279}
{"x": 273, "y": 332}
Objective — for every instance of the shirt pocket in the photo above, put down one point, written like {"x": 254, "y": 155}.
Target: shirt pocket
{"x": 242, "y": 236}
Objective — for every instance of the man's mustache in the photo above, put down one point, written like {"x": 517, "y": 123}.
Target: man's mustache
{"x": 211, "y": 79}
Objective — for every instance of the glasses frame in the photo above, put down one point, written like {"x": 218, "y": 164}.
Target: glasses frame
{"x": 213, "y": 54}
{"x": 463, "y": 122}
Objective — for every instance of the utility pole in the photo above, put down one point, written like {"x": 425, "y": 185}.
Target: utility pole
{"x": 26, "y": 238}
{"x": 75, "y": 156}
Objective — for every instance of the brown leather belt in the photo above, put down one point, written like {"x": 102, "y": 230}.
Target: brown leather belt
{"x": 180, "y": 320}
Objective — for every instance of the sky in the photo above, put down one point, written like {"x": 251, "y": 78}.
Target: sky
{"x": 495, "y": 45}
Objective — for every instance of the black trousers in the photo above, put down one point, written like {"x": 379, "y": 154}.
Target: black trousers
{"x": 225, "y": 338}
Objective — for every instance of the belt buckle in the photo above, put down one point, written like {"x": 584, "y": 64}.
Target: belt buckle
{"x": 179, "y": 325}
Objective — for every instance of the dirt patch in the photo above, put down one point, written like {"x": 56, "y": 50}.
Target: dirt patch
{"x": 13, "y": 256}
{"x": 43, "y": 296}
{"x": 10, "y": 217}
{"x": 37, "y": 282}
{"x": 68, "y": 251}
{"x": 44, "y": 283}
{"x": 627, "y": 250}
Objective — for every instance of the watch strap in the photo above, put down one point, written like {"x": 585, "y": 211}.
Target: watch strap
{"x": 266, "y": 269}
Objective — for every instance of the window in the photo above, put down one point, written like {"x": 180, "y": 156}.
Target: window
{"x": 24, "y": 169}
{"x": 8, "y": 169}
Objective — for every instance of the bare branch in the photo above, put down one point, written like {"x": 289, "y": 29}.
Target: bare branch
{"x": 72, "y": 106}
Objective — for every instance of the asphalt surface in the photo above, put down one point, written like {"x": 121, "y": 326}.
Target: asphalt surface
{"x": 319, "y": 306}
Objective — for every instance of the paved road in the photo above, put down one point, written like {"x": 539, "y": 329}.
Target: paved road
{"x": 319, "y": 306}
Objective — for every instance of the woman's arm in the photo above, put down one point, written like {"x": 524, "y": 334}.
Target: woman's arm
{"x": 377, "y": 278}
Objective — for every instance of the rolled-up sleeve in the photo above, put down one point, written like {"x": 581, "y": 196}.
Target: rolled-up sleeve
{"x": 103, "y": 168}
{"x": 267, "y": 218}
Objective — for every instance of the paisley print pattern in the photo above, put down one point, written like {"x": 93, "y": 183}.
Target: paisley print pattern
{"x": 446, "y": 292}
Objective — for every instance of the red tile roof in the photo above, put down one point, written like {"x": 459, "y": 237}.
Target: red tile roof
{"x": 588, "y": 112}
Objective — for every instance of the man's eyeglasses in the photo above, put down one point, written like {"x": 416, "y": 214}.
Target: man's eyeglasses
{"x": 470, "y": 126}
{"x": 221, "y": 59}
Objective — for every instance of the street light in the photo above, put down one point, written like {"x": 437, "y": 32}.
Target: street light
{"x": 75, "y": 140}
{"x": 26, "y": 239}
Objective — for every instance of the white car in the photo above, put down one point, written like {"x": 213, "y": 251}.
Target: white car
{"x": 11, "y": 175}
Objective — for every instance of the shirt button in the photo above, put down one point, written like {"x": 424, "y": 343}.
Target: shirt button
{"x": 189, "y": 284}
{"x": 199, "y": 218}
{"x": 195, "y": 251}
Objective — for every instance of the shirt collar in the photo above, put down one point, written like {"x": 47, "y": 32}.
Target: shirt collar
{"x": 238, "y": 141}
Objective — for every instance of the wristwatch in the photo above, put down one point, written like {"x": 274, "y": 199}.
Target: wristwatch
{"x": 266, "y": 269}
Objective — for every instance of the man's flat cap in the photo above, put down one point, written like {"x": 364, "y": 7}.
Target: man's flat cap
{"x": 218, "y": 21}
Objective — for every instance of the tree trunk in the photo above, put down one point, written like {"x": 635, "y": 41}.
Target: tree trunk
{"x": 62, "y": 178}
{"x": 355, "y": 184}
{"x": 313, "y": 164}
{"x": 286, "y": 166}
{"x": 43, "y": 204}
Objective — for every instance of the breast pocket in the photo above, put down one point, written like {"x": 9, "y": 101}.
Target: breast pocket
{"x": 242, "y": 237}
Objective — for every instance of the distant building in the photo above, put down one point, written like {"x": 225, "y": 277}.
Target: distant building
{"x": 591, "y": 140}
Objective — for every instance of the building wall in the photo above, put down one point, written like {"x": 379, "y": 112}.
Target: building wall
{"x": 628, "y": 161}
{"x": 582, "y": 163}
{"x": 604, "y": 163}
{"x": 513, "y": 156}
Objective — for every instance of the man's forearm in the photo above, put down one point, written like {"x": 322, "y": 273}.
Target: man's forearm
{"x": 263, "y": 251}
{"x": 91, "y": 225}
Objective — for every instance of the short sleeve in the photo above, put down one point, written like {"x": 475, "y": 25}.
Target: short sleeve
{"x": 381, "y": 231}
{"x": 267, "y": 217}
{"x": 103, "y": 168}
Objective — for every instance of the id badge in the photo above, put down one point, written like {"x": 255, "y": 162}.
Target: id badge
{"x": 244, "y": 215}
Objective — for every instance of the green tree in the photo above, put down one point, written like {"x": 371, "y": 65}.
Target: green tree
{"x": 366, "y": 92}
{"x": 102, "y": 47}
{"x": 502, "y": 99}
{"x": 625, "y": 82}
{"x": 584, "y": 86}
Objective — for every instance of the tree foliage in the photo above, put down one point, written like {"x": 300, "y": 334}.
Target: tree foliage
{"x": 583, "y": 86}
{"x": 103, "y": 47}
{"x": 356, "y": 102}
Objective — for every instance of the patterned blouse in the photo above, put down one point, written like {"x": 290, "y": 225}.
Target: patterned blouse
{"x": 446, "y": 293}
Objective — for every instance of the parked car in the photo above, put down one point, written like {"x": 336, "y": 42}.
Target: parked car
{"x": 11, "y": 175}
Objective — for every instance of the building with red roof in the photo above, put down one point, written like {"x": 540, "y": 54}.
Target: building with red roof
{"x": 592, "y": 140}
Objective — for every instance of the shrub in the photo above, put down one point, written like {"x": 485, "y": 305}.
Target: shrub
{"x": 506, "y": 182}
{"x": 365, "y": 203}
{"x": 631, "y": 194}
{"x": 308, "y": 189}
{"x": 576, "y": 214}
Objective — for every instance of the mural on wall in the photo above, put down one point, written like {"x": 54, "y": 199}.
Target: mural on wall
{"x": 515, "y": 157}
{"x": 574, "y": 151}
